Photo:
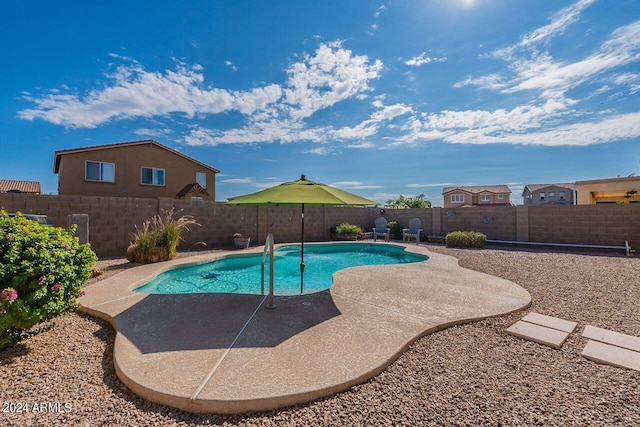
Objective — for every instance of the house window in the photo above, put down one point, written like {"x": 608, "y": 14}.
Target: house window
{"x": 153, "y": 176}
{"x": 100, "y": 171}
{"x": 552, "y": 194}
{"x": 485, "y": 198}
{"x": 561, "y": 195}
{"x": 500, "y": 196}
{"x": 196, "y": 197}
{"x": 201, "y": 178}
{"x": 457, "y": 198}
{"x": 542, "y": 196}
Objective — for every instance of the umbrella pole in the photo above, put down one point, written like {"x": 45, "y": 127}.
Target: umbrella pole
{"x": 302, "y": 253}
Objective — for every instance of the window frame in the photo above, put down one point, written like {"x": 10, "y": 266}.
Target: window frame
{"x": 485, "y": 197}
{"x": 100, "y": 171}
{"x": 153, "y": 176}
{"x": 202, "y": 184}
{"x": 500, "y": 196}
{"x": 542, "y": 195}
{"x": 455, "y": 197}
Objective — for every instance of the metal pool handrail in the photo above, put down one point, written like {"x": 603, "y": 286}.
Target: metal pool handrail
{"x": 268, "y": 245}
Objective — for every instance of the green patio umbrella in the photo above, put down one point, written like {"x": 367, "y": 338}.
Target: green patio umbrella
{"x": 301, "y": 192}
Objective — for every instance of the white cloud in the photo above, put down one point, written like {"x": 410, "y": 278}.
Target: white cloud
{"x": 560, "y": 21}
{"x": 550, "y": 117}
{"x": 152, "y": 133}
{"x": 354, "y": 185}
{"x": 366, "y": 144}
{"x": 331, "y": 75}
{"x": 422, "y": 59}
{"x": 237, "y": 181}
{"x": 321, "y": 151}
{"x": 546, "y": 75}
{"x": 369, "y": 127}
{"x": 631, "y": 80}
{"x": 231, "y": 65}
{"x": 442, "y": 184}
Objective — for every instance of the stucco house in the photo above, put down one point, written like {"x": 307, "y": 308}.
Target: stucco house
{"x": 455, "y": 197}
{"x": 144, "y": 169}
{"x": 545, "y": 194}
{"x": 610, "y": 190}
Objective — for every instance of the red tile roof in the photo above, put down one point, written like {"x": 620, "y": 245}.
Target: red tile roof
{"x": 15, "y": 186}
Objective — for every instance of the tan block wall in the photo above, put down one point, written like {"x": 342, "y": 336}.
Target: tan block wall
{"x": 112, "y": 220}
{"x": 609, "y": 224}
{"x": 496, "y": 222}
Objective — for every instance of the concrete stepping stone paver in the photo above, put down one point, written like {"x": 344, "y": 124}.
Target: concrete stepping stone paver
{"x": 612, "y": 355}
{"x": 613, "y": 338}
{"x": 550, "y": 322}
{"x": 537, "y": 333}
{"x": 612, "y": 348}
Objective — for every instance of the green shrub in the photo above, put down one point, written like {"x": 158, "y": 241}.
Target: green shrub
{"x": 394, "y": 228}
{"x": 158, "y": 238}
{"x": 346, "y": 228}
{"x": 465, "y": 239}
{"x": 42, "y": 270}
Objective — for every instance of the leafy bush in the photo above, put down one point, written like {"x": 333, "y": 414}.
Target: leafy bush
{"x": 465, "y": 239}
{"x": 42, "y": 270}
{"x": 346, "y": 228}
{"x": 394, "y": 228}
{"x": 158, "y": 238}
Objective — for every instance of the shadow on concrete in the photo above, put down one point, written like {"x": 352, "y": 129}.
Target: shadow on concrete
{"x": 161, "y": 323}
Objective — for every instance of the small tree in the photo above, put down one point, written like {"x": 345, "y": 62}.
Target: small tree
{"x": 42, "y": 270}
{"x": 419, "y": 201}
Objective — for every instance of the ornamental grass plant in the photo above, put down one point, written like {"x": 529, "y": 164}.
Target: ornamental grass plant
{"x": 42, "y": 270}
{"x": 158, "y": 237}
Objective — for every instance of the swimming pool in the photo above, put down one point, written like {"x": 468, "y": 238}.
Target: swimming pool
{"x": 240, "y": 274}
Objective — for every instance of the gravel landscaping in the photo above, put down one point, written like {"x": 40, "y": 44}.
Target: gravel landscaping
{"x": 473, "y": 374}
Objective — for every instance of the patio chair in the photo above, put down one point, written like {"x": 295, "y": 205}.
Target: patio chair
{"x": 413, "y": 232}
{"x": 381, "y": 229}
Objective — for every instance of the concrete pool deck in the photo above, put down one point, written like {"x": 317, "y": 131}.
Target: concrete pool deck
{"x": 226, "y": 353}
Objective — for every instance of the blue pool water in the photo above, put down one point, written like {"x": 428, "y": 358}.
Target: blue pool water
{"x": 240, "y": 274}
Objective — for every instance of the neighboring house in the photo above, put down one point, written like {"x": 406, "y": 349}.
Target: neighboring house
{"x": 145, "y": 169}
{"x": 455, "y": 197}
{"x": 14, "y": 186}
{"x": 611, "y": 190}
{"x": 545, "y": 194}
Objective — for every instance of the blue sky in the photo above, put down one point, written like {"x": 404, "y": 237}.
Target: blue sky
{"x": 380, "y": 98}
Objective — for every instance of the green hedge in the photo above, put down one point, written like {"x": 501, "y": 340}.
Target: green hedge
{"x": 42, "y": 270}
{"x": 465, "y": 239}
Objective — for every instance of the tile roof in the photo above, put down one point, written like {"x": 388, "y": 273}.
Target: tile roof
{"x": 59, "y": 153}
{"x": 535, "y": 187}
{"x": 194, "y": 189}
{"x": 10, "y": 185}
{"x": 479, "y": 189}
